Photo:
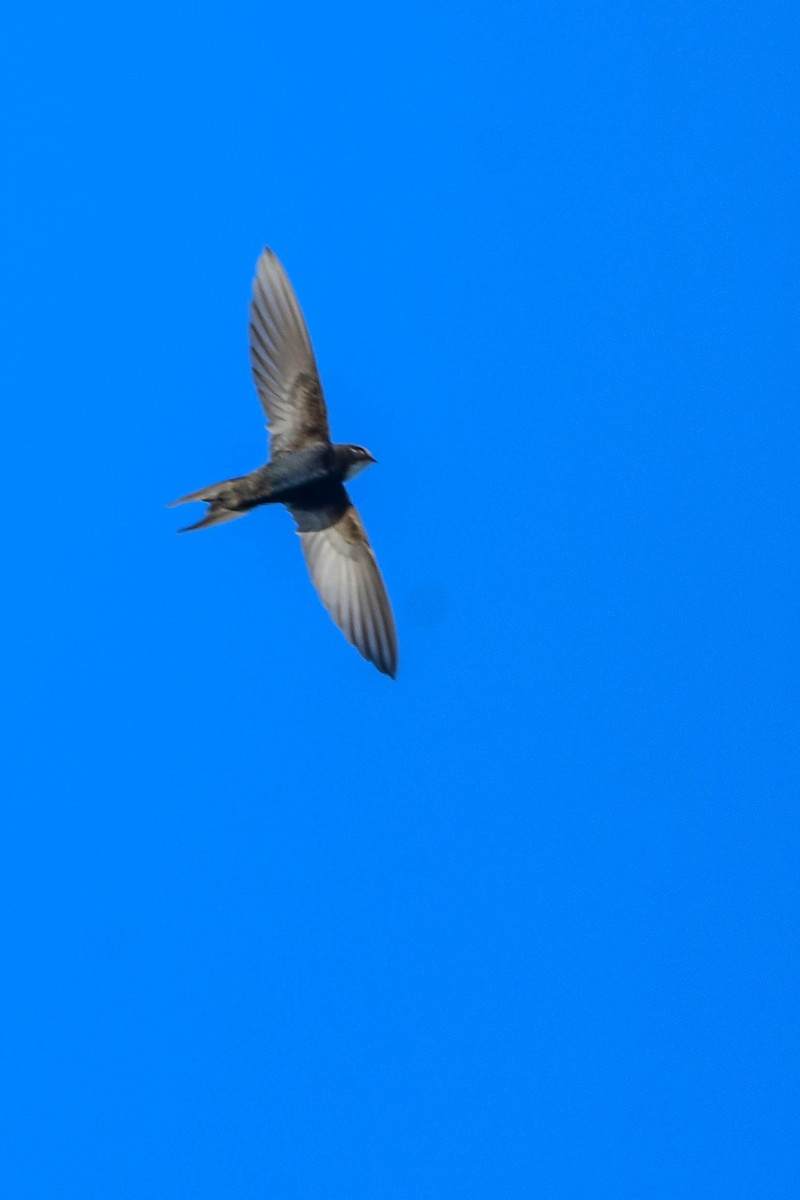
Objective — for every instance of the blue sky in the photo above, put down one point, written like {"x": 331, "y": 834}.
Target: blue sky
{"x": 524, "y": 922}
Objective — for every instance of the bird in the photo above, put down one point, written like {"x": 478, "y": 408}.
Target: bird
{"x": 306, "y": 472}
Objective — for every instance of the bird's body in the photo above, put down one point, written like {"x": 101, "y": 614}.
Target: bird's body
{"x": 294, "y": 478}
{"x": 307, "y": 472}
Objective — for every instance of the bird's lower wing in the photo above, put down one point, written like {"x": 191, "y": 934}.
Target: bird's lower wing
{"x": 345, "y": 573}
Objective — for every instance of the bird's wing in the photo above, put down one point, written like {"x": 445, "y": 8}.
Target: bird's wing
{"x": 345, "y": 573}
{"x": 282, "y": 359}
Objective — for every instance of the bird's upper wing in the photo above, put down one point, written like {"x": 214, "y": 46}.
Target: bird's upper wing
{"x": 283, "y": 363}
{"x": 345, "y": 573}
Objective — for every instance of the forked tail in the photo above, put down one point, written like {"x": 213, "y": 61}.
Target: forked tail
{"x": 224, "y": 504}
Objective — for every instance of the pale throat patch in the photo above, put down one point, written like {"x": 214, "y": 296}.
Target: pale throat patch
{"x": 356, "y": 468}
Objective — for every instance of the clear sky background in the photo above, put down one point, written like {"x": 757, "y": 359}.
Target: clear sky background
{"x": 524, "y": 922}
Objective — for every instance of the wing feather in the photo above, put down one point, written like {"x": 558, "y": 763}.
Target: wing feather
{"x": 345, "y": 572}
{"x": 282, "y": 361}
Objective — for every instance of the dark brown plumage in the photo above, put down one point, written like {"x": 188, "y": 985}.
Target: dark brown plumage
{"x": 307, "y": 472}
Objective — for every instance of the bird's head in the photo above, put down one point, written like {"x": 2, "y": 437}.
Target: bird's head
{"x": 354, "y": 460}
